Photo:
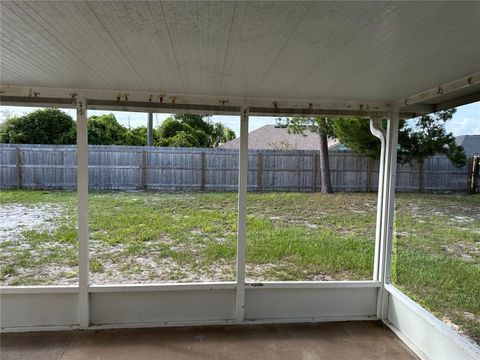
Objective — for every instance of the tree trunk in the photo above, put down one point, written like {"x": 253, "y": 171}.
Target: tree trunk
{"x": 325, "y": 165}
{"x": 150, "y": 130}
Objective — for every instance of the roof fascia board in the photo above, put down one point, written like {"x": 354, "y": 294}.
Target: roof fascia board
{"x": 459, "y": 101}
{"x": 443, "y": 89}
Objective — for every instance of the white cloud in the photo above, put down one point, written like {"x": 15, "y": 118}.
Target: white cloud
{"x": 464, "y": 126}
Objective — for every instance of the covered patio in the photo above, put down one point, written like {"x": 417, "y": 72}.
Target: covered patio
{"x": 376, "y": 60}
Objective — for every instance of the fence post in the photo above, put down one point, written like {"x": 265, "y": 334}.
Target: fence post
{"x": 421, "y": 171}
{"x": 259, "y": 171}
{"x": 314, "y": 172}
{"x": 369, "y": 174}
{"x": 473, "y": 174}
{"x": 202, "y": 171}
{"x": 18, "y": 168}
{"x": 143, "y": 169}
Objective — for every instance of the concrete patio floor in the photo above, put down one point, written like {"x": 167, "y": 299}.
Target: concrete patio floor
{"x": 342, "y": 340}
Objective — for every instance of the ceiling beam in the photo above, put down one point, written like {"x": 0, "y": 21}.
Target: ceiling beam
{"x": 149, "y": 107}
{"x": 37, "y": 101}
{"x": 165, "y": 103}
{"x": 459, "y": 101}
{"x": 161, "y": 102}
{"x": 440, "y": 90}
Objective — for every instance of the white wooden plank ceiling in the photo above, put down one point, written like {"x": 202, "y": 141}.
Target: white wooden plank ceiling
{"x": 361, "y": 51}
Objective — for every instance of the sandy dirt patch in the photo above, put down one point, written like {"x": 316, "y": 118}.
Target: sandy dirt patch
{"x": 16, "y": 218}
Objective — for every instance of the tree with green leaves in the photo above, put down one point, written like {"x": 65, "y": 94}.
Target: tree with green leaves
{"x": 418, "y": 139}
{"x": 220, "y": 135}
{"x": 322, "y": 126}
{"x": 427, "y": 137}
{"x": 184, "y": 130}
{"x": 44, "y": 126}
{"x": 52, "y": 126}
{"x": 197, "y": 122}
{"x": 181, "y": 139}
{"x": 355, "y": 134}
{"x": 175, "y": 133}
{"x": 136, "y": 136}
{"x": 105, "y": 130}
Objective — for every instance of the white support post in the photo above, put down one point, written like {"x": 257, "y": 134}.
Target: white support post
{"x": 82, "y": 213}
{"x": 242, "y": 216}
{"x": 377, "y": 131}
{"x": 388, "y": 211}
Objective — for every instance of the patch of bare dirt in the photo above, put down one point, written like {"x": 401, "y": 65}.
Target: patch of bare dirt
{"x": 465, "y": 251}
{"x": 323, "y": 277}
{"x": 18, "y": 218}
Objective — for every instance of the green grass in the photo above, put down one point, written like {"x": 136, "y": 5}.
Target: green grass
{"x": 436, "y": 256}
{"x": 151, "y": 237}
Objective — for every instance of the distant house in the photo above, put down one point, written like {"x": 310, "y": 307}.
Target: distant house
{"x": 470, "y": 143}
{"x": 277, "y": 138}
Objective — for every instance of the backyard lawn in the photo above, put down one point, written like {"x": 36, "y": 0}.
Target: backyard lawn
{"x": 157, "y": 237}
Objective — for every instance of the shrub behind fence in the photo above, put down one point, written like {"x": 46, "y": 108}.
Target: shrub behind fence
{"x": 198, "y": 169}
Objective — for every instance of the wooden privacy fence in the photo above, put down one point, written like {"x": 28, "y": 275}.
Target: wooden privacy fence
{"x": 188, "y": 169}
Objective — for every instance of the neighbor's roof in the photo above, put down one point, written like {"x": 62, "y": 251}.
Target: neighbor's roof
{"x": 277, "y": 138}
{"x": 291, "y": 52}
{"x": 470, "y": 143}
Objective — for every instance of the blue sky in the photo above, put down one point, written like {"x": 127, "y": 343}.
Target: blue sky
{"x": 466, "y": 120}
